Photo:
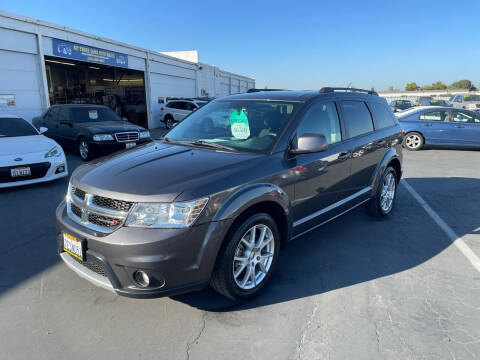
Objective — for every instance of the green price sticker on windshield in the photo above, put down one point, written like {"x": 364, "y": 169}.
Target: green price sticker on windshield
{"x": 239, "y": 124}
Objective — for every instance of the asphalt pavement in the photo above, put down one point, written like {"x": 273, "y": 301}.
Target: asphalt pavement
{"x": 355, "y": 288}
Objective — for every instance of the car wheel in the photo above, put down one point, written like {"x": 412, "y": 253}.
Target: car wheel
{"x": 382, "y": 203}
{"x": 84, "y": 149}
{"x": 169, "y": 122}
{"x": 247, "y": 258}
{"x": 413, "y": 141}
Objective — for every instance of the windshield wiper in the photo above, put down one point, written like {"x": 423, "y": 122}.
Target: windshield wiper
{"x": 210, "y": 145}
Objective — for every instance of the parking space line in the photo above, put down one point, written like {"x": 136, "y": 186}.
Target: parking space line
{"x": 456, "y": 240}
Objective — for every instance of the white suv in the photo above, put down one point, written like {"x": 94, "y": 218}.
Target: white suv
{"x": 175, "y": 111}
{"x": 466, "y": 101}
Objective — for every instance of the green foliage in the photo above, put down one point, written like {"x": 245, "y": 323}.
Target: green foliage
{"x": 463, "y": 84}
{"x": 412, "y": 86}
{"x": 435, "y": 86}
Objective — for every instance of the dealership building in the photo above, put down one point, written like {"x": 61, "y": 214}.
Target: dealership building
{"x": 42, "y": 64}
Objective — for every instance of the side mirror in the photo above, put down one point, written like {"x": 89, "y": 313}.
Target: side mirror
{"x": 310, "y": 143}
{"x": 42, "y": 129}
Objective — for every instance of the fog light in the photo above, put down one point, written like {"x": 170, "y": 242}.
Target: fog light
{"x": 60, "y": 169}
{"x": 141, "y": 278}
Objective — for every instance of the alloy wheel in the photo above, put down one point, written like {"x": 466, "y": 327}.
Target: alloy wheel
{"x": 83, "y": 148}
{"x": 253, "y": 257}
{"x": 388, "y": 192}
{"x": 413, "y": 141}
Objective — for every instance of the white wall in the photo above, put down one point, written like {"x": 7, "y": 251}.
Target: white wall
{"x": 19, "y": 73}
{"x": 217, "y": 82}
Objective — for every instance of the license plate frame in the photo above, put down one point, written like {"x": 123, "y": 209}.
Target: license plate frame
{"x": 130, "y": 145}
{"x": 74, "y": 246}
{"x": 20, "y": 171}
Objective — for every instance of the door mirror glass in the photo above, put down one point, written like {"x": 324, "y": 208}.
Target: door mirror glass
{"x": 42, "y": 129}
{"x": 310, "y": 143}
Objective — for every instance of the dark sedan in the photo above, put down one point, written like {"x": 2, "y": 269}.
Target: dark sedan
{"x": 400, "y": 105}
{"x": 90, "y": 130}
{"x": 441, "y": 126}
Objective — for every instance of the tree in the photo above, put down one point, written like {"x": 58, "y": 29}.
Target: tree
{"x": 435, "y": 86}
{"x": 463, "y": 84}
{"x": 412, "y": 86}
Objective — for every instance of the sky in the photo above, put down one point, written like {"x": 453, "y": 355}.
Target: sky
{"x": 293, "y": 44}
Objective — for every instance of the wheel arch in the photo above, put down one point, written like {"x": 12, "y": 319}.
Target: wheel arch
{"x": 391, "y": 158}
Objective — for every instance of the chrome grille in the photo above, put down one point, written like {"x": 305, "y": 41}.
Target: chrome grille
{"x": 127, "y": 136}
{"x": 96, "y": 212}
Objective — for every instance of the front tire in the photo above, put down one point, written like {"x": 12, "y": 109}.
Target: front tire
{"x": 413, "y": 141}
{"x": 247, "y": 258}
{"x": 382, "y": 203}
{"x": 169, "y": 121}
{"x": 84, "y": 149}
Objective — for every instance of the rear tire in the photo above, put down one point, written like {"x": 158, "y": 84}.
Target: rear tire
{"x": 413, "y": 141}
{"x": 244, "y": 265}
{"x": 384, "y": 200}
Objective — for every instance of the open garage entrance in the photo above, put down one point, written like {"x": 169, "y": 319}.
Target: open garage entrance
{"x": 77, "y": 82}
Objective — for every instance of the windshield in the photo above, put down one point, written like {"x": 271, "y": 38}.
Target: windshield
{"x": 244, "y": 125}
{"x": 438, "y": 102}
{"x": 469, "y": 97}
{"x": 403, "y": 103}
{"x": 93, "y": 114}
{"x": 10, "y": 127}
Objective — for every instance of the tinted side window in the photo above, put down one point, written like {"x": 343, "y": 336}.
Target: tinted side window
{"x": 53, "y": 114}
{"x": 382, "y": 115}
{"x": 189, "y": 106}
{"x": 321, "y": 119}
{"x": 173, "y": 105}
{"x": 434, "y": 116}
{"x": 64, "y": 114}
{"x": 357, "y": 118}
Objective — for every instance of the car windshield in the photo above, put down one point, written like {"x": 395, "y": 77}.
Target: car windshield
{"x": 438, "y": 102}
{"x": 10, "y": 127}
{"x": 243, "y": 125}
{"x": 469, "y": 97}
{"x": 93, "y": 114}
{"x": 403, "y": 103}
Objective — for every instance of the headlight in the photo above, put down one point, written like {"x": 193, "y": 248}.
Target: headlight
{"x": 166, "y": 215}
{"x": 102, "y": 137}
{"x": 53, "y": 152}
{"x": 144, "y": 134}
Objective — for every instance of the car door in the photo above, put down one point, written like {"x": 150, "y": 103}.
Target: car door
{"x": 50, "y": 121}
{"x": 173, "y": 109}
{"x": 366, "y": 146}
{"x": 435, "y": 127}
{"x": 465, "y": 128}
{"x": 183, "y": 110}
{"x": 66, "y": 127}
{"x": 321, "y": 177}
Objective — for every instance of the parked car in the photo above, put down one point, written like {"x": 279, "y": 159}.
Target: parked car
{"x": 176, "y": 110}
{"x": 435, "y": 102}
{"x": 90, "y": 130}
{"x": 400, "y": 105}
{"x": 466, "y": 101}
{"x": 440, "y": 126}
{"x": 26, "y": 156}
{"x": 213, "y": 203}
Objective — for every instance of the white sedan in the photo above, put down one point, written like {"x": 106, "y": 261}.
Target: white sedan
{"x": 26, "y": 156}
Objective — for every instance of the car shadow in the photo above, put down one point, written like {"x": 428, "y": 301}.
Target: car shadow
{"x": 349, "y": 250}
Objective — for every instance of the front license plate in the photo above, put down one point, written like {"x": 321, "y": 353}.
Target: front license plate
{"x": 130, "y": 145}
{"x": 20, "y": 171}
{"x": 73, "y": 246}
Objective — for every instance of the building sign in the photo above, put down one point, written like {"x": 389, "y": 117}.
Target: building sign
{"x": 67, "y": 49}
{"x": 7, "y": 100}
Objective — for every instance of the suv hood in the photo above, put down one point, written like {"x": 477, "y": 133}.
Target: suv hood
{"x": 111, "y": 126}
{"x": 160, "y": 172}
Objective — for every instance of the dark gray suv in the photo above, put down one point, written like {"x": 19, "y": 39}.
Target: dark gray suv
{"x": 215, "y": 200}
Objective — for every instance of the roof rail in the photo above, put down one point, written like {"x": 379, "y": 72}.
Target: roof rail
{"x": 333, "y": 89}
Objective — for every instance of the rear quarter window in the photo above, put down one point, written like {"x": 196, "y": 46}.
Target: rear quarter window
{"x": 357, "y": 118}
{"x": 382, "y": 115}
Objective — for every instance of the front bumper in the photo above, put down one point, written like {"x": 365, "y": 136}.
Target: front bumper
{"x": 52, "y": 173}
{"x": 178, "y": 260}
{"x": 99, "y": 148}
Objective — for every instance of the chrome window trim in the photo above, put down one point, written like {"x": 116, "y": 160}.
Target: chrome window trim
{"x": 331, "y": 207}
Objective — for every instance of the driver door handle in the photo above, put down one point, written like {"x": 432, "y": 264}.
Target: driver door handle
{"x": 344, "y": 155}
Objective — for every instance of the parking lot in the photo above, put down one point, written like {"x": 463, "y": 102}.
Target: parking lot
{"x": 355, "y": 288}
